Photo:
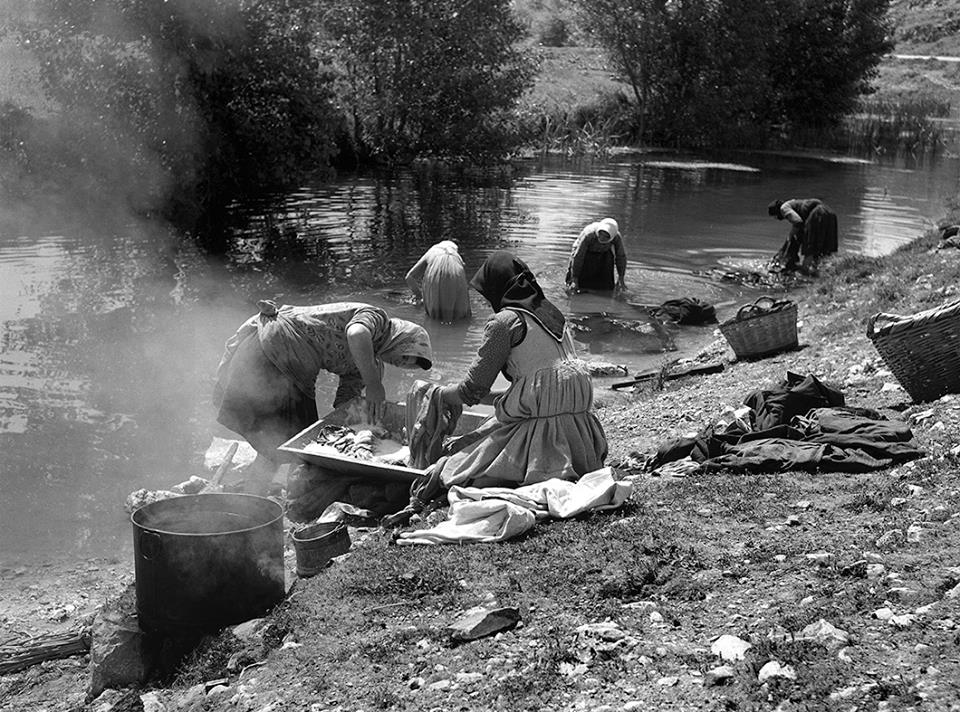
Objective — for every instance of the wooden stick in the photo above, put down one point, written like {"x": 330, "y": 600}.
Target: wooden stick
{"x": 37, "y": 649}
{"x": 669, "y": 376}
{"x": 218, "y": 475}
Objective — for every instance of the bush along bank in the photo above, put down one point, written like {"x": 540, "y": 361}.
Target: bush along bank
{"x": 791, "y": 590}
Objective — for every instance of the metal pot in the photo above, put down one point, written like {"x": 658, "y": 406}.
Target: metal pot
{"x": 207, "y": 561}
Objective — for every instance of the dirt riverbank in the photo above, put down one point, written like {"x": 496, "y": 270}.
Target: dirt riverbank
{"x": 619, "y": 610}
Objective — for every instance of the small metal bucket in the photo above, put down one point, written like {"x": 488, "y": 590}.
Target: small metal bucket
{"x": 316, "y": 544}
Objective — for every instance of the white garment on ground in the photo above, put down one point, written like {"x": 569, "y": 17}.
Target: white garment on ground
{"x": 489, "y": 514}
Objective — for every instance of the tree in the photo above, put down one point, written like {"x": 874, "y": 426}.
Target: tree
{"x": 634, "y": 34}
{"x": 429, "y": 77}
{"x": 223, "y": 97}
{"x": 828, "y": 51}
{"x": 718, "y": 72}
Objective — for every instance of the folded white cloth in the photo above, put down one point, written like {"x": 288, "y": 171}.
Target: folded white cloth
{"x": 488, "y": 514}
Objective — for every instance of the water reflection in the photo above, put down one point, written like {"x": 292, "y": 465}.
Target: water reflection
{"x": 109, "y": 336}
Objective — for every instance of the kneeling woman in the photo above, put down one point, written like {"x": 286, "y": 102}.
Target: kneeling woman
{"x": 543, "y": 426}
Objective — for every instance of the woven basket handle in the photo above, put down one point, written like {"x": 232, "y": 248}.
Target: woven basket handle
{"x": 748, "y": 309}
{"x": 884, "y": 320}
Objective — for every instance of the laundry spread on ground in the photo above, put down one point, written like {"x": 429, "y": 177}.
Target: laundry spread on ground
{"x": 803, "y": 424}
{"x": 491, "y": 514}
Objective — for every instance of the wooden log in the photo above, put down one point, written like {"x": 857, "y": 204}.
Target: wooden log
{"x": 669, "y": 375}
{"x": 19, "y": 655}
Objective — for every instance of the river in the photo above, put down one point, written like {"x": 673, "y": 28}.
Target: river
{"x": 110, "y": 331}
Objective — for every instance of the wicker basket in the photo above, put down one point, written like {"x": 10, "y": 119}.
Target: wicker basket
{"x": 765, "y": 327}
{"x": 922, "y": 350}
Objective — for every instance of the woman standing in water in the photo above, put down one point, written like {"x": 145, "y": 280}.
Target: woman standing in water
{"x": 596, "y": 256}
{"x": 440, "y": 279}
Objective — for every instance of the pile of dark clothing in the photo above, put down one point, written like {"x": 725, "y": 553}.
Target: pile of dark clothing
{"x": 803, "y": 424}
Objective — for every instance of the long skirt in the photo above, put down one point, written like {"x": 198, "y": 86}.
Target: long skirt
{"x": 542, "y": 428}
{"x": 446, "y": 295}
{"x": 597, "y": 271}
{"x": 819, "y": 233}
{"x": 262, "y": 404}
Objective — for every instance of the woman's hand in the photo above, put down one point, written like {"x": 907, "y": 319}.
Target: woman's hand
{"x": 376, "y": 398}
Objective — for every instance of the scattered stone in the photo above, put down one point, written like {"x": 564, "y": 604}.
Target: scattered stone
{"x": 924, "y": 610}
{"x": 890, "y": 386}
{"x": 480, "y": 622}
{"x": 775, "y": 669}
{"x": 440, "y": 686}
{"x": 826, "y": 634}
{"x": 730, "y": 647}
{"x": 898, "y": 501}
{"x": 807, "y": 600}
{"x": 669, "y": 681}
{"x": 633, "y": 706}
{"x": 640, "y": 605}
{"x": 801, "y": 504}
{"x": 915, "y": 532}
{"x": 468, "y": 678}
{"x": 820, "y": 558}
{"x": 890, "y": 539}
{"x": 883, "y": 614}
{"x": 415, "y": 683}
{"x": 873, "y": 557}
{"x": 902, "y": 593}
{"x": 720, "y": 675}
{"x": 914, "y": 490}
{"x": 794, "y": 521}
{"x": 858, "y": 569}
{"x": 250, "y": 631}
{"x": 656, "y": 617}
{"x": 953, "y": 592}
{"x": 780, "y": 558}
{"x": 904, "y": 620}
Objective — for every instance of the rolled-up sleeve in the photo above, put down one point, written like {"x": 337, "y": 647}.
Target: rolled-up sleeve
{"x": 501, "y": 333}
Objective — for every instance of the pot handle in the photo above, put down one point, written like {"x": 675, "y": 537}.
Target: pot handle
{"x": 150, "y": 544}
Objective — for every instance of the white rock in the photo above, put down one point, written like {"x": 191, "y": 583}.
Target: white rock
{"x": 730, "y": 647}
{"x": 775, "y": 669}
{"x": 924, "y": 610}
{"x": 890, "y": 386}
{"x": 656, "y": 617}
{"x": 915, "y": 532}
{"x": 902, "y": 621}
{"x": 821, "y": 558}
{"x": 883, "y": 614}
{"x": 669, "y": 681}
{"x": 718, "y": 676}
{"x": 825, "y": 633}
{"x": 953, "y": 592}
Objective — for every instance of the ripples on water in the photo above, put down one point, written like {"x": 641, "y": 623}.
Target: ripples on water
{"x": 110, "y": 336}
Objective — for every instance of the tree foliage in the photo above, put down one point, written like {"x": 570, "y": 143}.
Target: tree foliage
{"x": 222, "y": 97}
{"x": 429, "y": 77}
{"x": 718, "y": 72}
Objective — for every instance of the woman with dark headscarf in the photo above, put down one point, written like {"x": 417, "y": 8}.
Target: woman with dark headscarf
{"x": 266, "y": 379}
{"x": 543, "y": 425}
{"x": 813, "y": 233}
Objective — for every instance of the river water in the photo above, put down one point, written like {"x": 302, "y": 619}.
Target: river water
{"x": 110, "y": 331}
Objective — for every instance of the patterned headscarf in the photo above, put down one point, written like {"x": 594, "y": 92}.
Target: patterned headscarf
{"x": 506, "y": 281}
{"x": 407, "y": 339}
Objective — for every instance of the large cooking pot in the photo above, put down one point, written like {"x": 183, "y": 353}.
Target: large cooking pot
{"x": 207, "y": 561}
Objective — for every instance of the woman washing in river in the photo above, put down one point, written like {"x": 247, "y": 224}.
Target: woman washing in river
{"x": 813, "y": 233}
{"x": 596, "y": 256}
{"x": 441, "y": 281}
{"x": 266, "y": 380}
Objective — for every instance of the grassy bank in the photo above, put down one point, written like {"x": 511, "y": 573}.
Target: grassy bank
{"x": 686, "y": 560}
